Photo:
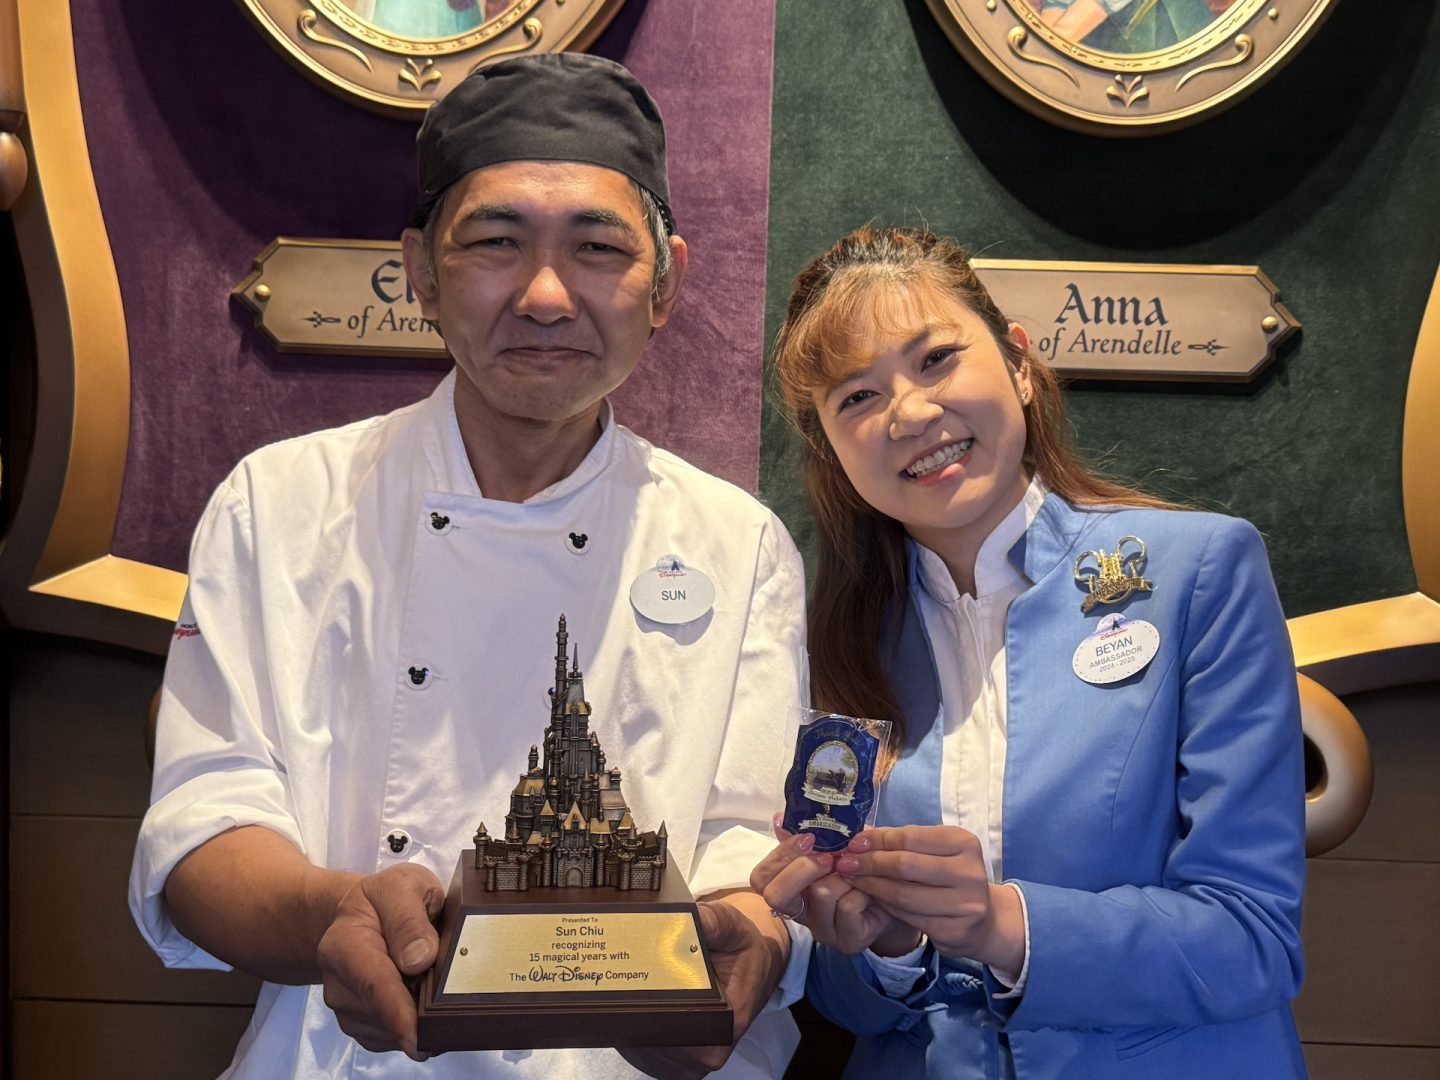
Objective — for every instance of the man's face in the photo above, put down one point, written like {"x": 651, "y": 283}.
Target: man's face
{"x": 543, "y": 284}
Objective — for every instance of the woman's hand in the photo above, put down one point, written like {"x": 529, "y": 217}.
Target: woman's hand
{"x": 795, "y": 880}
{"x": 933, "y": 878}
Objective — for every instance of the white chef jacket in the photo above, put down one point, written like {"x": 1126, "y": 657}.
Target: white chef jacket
{"x": 327, "y": 567}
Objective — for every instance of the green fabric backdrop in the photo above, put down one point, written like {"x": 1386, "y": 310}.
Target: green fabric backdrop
{"x": 1326, "y": 178}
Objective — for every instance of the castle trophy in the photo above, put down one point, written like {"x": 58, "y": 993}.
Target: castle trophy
{"x": 569, "y": 928}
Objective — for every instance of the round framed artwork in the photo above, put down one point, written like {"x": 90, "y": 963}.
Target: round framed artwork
{"x": 400, "y": 56}
{"x": 1127, "y": 67}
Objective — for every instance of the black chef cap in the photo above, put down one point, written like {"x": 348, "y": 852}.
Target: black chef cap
{"x": 548, "y": 107}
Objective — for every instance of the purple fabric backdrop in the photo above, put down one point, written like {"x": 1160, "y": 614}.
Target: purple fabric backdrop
{"x": 206, "y": 144}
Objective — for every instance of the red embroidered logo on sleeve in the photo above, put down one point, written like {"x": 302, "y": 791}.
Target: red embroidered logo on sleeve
{"x": 187, "y": 629}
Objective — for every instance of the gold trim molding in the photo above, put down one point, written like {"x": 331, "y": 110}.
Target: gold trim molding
{"x": 56, "y": 570}
{"x": 1396, "y": 640}
{"x": 1041, "y": 68}
{"x": 373, "y": 62}
{"x": 14, "y": 165}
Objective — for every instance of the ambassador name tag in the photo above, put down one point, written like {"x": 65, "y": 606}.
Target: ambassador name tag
{"x": 1118, "y": 649}
{"x": 671, "y": 592}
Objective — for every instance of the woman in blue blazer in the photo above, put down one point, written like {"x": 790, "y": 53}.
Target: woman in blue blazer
{"x": 1089, "y": 854}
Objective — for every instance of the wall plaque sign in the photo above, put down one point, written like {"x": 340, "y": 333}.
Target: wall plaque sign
{"x": 1138, "y": 321}
{"x": 1143, "y": 321}
{"x": 399, "y": 56}
{"x": 337, "y": 296}
{"x": 1127, "y": 67}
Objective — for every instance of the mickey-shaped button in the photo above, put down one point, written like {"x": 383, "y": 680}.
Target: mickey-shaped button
{"x": 578, "y": 542}
{"x": 438, "y": 523}
{"x": 417, "y": 677}
{"x": 396, "y": 841}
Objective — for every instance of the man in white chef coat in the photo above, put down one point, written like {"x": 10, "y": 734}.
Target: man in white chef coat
{"x": 371, "y": 617}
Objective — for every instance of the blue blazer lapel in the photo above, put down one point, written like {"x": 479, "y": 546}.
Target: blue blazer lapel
{"x": 1059, "y": 727}
{"x": 911, "y": 795}
{"x": 912, "y": 791}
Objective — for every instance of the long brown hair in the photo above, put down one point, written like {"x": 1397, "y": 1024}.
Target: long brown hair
{"x": 861, "y": 583}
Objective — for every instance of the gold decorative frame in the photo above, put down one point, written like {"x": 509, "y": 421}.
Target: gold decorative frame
{"x": 402, "y": 76}
{"x": 1107, "y": 93}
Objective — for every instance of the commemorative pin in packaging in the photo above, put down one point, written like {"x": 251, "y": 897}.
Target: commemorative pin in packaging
{"x": 831, "y": 789}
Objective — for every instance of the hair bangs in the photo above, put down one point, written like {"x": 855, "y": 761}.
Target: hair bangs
{"x": 830, "y": 340}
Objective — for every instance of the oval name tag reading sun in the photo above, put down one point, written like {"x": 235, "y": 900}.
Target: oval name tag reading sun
{"x": 671, "y": 592}
{"x": 1117, "y": 649}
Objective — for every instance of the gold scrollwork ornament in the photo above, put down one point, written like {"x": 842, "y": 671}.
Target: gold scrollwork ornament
{"x": 400, "y": 56}
{"x": 1244, "y": 47}
{"x": 308, "y": 21}
{"x": 533, "y": 29}
{"x": 418, "y": 75}
{"x": 1017, "y": 38}
{"x": 1128, "y": 91}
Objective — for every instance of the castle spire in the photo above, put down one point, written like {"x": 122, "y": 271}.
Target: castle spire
{"x": 562, "y": 639}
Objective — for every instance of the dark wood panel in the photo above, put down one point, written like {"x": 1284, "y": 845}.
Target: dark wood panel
{"x": 79, "y": 1040}
{"x": 1364, "y": 1062}
{"x": 1373, "y": 954}
{"x": 1403, "y": 726}
{"x": 77, "y": 727}
{"x": 71, "y": 932}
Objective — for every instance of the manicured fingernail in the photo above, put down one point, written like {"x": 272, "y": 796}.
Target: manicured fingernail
{"x": 776, "y": 820}
{"x": 860, "y": 843}
{"x": 805, "y": 841}
{"x": 847, "y": 864}
{"x": 415, "y": 952}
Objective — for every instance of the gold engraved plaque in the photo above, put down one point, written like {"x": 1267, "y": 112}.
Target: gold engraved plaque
{"x": 635, "y": 972}
{"x": 337, "y": 296}
{"x": 581, "y": 951}
{"x": 400, "y": 56}
{"x": 1143, "y": 321}
{"x": 1127, "y": 67}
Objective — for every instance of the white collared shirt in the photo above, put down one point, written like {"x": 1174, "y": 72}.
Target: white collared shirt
{"x": 967, "y": 639}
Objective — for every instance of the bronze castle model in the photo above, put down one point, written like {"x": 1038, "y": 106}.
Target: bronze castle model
{"x": 594, "y": 841}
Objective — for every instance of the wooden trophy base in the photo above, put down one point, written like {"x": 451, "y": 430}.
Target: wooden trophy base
{"x": 560, "y": 967}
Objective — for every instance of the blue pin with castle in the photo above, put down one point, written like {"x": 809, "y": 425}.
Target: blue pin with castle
{"x": 830, "y": 790}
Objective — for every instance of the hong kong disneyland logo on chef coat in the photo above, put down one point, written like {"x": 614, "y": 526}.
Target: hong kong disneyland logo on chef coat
{"x": 671, "y": 592}
{"x": 337, "y": 296}
{"x": 1143, "y": 321}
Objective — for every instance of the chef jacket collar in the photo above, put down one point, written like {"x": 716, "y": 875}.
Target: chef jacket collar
{"x": 993, "y": 569}
{"x": 445, "y": 451}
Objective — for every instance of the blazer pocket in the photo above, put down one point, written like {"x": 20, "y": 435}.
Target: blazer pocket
{"x": 1142, "y": 1041}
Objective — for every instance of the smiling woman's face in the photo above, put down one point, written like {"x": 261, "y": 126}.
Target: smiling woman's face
{"x": 928, "y": 422}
